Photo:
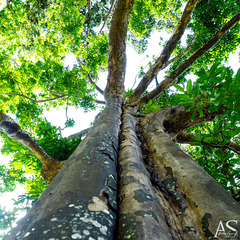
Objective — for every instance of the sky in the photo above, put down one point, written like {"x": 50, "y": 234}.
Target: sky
{"x": 82, "y": 119}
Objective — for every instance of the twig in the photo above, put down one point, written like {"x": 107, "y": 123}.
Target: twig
{"x": 33, "y": 100}
{"x": 109, "y": 12}
{"x": 96, "y": 86}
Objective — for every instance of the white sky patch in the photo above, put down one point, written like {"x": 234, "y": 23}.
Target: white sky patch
{"x": 83, "y": 120}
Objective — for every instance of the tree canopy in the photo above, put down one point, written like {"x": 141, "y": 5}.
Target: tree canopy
{"x": 36, "y": 37}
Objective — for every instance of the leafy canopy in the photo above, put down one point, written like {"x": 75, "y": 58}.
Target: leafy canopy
{"x": 36, "y": 38}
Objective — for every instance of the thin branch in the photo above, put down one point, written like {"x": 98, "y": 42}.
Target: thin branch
{"x": 56, "y": 93}
{"x": 89, "y": 77}
{"x": 100, "y": 102}
{"x": 33, "y": 100}
{"x": 189, "y": 47}
{"x": 50, "y": 166}
{"x": 166, "y": 53}
{"x": 109, "y": 12}
{"x": 20, "y": 95}
{"x": 188, "y": 138}
{"x": 78, "y": 134}
{"x": 197, "y": 54}
{"x": 96, "y": 86}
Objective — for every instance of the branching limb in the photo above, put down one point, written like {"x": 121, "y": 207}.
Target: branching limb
{"x": 188, "y": 138}
{"x": 189, "y": 47}
{"x": 197, "y": 54}
{"x": 176, "y": 119}
{"x": 50, "y": 166}
{"x": 166, "y": 53}
{"x": 100, "y": 102}
{"x": 78, "y": 134}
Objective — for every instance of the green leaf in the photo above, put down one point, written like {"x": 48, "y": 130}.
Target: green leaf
{"x": 200, "y": 112}
{"x": 213, "y": 71}
{"x": 181, "y": 89}
{"x": 196, "y": 143}
{"x": 238, "y": 75}
{"x": 189, "y": 86}
{"x": 196, "y": 90}
{"x": 193, "y": 116}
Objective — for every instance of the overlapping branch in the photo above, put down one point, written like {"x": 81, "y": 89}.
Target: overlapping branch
{"x": 197, "y": 54}
{"x": 50, "y": 166}
{"x": 166, "y": 53}
{"x": 188, "y": 138}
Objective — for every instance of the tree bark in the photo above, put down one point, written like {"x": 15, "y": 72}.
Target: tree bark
{"x": 140, "y": 214}
{"x": 203, "y": 202}
{"x": 169, "y": 80}
{"x": 50, "y": 166}
{"x": 81, "y": 202}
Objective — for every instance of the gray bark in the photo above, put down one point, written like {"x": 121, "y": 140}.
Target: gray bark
{"x": 81, "y": 201}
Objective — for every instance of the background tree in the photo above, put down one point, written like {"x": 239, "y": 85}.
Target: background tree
{"x": 127, "y": 170}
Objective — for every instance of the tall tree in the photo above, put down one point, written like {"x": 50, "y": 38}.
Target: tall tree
{"x": 128, "y": 178}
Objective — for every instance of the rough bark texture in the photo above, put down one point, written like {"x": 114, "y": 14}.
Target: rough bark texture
{"x": 201, "y": 201}
{"x": 81, "y": 201}
{"x": 173, "y": 199}
{"x": 117, "y": 48}
{"x": 140, "y": 214}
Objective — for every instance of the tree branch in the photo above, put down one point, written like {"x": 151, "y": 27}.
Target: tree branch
{"x": 189, "y": 47}
{"x": 117, "y": 49}
{"x": 197, "y": 54}
{"x": 33, "y": 100}
{"x": 100, "y": 102}
{"x": 188, "y": 138}
{"x": 78, "y": 134}
{"x": 166, "y": 53}
{"x": 50, "y": 166}
{"x": 96, "y": 86}
{"x": 176, "y": 119}
{"x": 109, "y": 12}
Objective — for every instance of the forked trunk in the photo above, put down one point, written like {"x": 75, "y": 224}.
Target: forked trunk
{"x": 163, "y": 193}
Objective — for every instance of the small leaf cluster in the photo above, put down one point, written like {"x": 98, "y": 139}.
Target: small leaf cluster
{"x": 214, "y": 88}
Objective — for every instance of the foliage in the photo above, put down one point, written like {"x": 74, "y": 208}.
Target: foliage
{"x": 36, "y": 38}
{"x": 6, "y": 220}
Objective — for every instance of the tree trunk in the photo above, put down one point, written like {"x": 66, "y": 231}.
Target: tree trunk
{"x": 81, "y": 201}
{"x": 191, "y": 196}
{"x": 163, "y": 193}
